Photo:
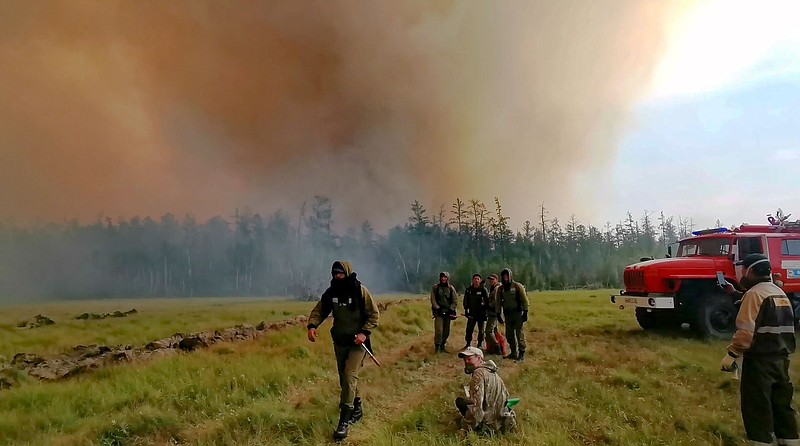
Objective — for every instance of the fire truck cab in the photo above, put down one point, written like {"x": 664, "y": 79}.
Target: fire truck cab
{"x": 669, "y": 292}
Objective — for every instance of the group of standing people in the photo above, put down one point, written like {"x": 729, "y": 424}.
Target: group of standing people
{"x": 355, "y": 315}
{"x": 504, "y": 302}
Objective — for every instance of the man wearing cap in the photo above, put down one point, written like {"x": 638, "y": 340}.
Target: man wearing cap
{"x": 492, "y": 317}
{"x": 444, "y": 304}
{"x": 764, "y": 339}
{"x": 476, "y": 299}
{"x": 511, "y": 302}
{"x": 355, "y": 315}
{"x": 486, "y": 403}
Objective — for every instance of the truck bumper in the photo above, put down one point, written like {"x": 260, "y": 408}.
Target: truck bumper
{"x": 660, "y": 302}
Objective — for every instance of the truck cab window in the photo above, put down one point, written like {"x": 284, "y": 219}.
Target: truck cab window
{"x": 749, "y": 245}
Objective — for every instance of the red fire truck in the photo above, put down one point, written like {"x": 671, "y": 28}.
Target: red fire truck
{"x": 666, "y": 293}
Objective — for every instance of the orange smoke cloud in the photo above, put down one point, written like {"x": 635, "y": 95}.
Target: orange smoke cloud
{"x": 126, "y": 108}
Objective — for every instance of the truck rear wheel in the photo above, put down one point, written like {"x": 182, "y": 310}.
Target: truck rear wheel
{"x": 650, "y": 319}
{"x": 715, "y": 317}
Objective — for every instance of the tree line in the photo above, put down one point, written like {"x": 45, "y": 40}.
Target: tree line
{"x": 247, "y": 254}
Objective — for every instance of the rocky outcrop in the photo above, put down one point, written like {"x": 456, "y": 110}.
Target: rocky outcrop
{"x": 94, "y": 316}
{"x": 84, "y": 358}
{"x": 36, "y": 321}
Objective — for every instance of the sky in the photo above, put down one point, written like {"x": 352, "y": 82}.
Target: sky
{"x": 117, "y": 108}
{"x": 716, "y": 137}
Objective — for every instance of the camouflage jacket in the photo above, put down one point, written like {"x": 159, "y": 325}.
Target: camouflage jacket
{"x": 488, "y": 397}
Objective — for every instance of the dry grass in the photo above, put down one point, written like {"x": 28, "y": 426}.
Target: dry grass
{"x": 592, "y": 377}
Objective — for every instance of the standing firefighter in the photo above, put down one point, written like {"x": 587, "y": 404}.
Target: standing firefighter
{"x": 476, "y": 299}
{"x": 492, "y": 317}
{"x": 764, "y": 338}
{"x": 355, "y": 315}
{"x": 512, "y": 305}
{"x": 444, "y": 304}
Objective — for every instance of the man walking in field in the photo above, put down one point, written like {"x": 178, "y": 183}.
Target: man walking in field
{"x": 486, "y": 405}
{"x": 512, "y": 305}
{"x": 444, "y": 304}
{"x": 492, "y": 317}
{"x": 764, "y": 338}
{"x": 355, "y": 315}
{"x": 476, "y": 299}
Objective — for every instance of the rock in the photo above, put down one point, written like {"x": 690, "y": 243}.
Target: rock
{"x": 35, "y": 322}
{"x": 194, "y": 341}
{"x": 26, "y": 359}
{"x": 170, "y": 342}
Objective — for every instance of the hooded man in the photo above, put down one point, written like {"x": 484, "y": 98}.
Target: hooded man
{"x": 511, "y": 304}
{"x": 486, "y": 404}
{"x": 355, "y": 315}
{"x": 444, "y": 304}
{"x": 764, "y": 339}
{"x": 476, "y": 299}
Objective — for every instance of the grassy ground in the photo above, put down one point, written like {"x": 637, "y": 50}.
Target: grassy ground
{"x": 156, "y": 318}
{"x": 592, "y": 377}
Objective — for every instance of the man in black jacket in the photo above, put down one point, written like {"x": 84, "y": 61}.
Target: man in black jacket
{"x": 355, "y": 315}
{"x": 476, "y": 300}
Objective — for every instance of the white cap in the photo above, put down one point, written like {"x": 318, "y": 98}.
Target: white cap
{"x": 471, "y": 351}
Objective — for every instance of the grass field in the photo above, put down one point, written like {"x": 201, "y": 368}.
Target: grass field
{"x": 592, "y": 377}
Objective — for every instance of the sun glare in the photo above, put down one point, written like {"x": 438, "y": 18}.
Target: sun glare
{"x": 716, "y": 42}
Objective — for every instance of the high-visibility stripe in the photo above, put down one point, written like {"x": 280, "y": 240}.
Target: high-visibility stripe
{"x": 749, "y": 326}
{"x": 789, "y": 442}
{"x": 760, "y": 443}
{"x": 776, "y": 330}
{"x": 781, "y": 302}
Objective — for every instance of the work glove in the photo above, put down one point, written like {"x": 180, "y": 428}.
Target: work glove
{"x": 524, "y": 315}
{"x": 728, "y": 363}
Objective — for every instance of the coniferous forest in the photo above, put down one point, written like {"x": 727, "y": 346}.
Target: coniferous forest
{"x": 247, "y": 254}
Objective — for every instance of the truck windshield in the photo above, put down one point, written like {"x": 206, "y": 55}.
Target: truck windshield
{"x": 710, "y": 247}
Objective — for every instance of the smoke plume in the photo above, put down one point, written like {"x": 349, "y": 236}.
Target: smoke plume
{"x": 146, "y": 107}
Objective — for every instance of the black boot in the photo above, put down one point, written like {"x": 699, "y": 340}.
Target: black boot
{"x": 521, "y": 357}
{"x": 358, "y": 411}
{"x": 344, "y": 423}
{"x": 512, "y": 356}
{"x": 438, "y": 348}
{"x": 442, "y": 349}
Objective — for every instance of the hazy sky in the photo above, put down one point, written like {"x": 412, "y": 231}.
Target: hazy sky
{"x": 592, "y": 108}
{"x": 718, "y": 136}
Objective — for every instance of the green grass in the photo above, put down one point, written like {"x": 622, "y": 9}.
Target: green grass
{"x": 592, "y": 377}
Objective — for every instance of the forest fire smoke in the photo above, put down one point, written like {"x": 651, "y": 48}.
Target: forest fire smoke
{"x": 127, "y": 108}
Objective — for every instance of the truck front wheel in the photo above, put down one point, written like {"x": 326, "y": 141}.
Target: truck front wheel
{"x": 650, "y": 319}
{"x": 715, "y": 317}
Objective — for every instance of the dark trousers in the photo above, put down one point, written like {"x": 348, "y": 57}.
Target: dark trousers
{"x": 471, "y": 324}
{"x": 766, "y": 398}
{"x": 349, "y": 360}
{"x": 515, "y": 335}
{"x": 462, "y": 404}
{"x": 441, "y": 330}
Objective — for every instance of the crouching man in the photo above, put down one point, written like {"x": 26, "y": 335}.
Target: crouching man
{"x": 486, "y": 405}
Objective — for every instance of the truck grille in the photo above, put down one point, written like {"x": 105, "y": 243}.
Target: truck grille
{"x": 634, "y": 279}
